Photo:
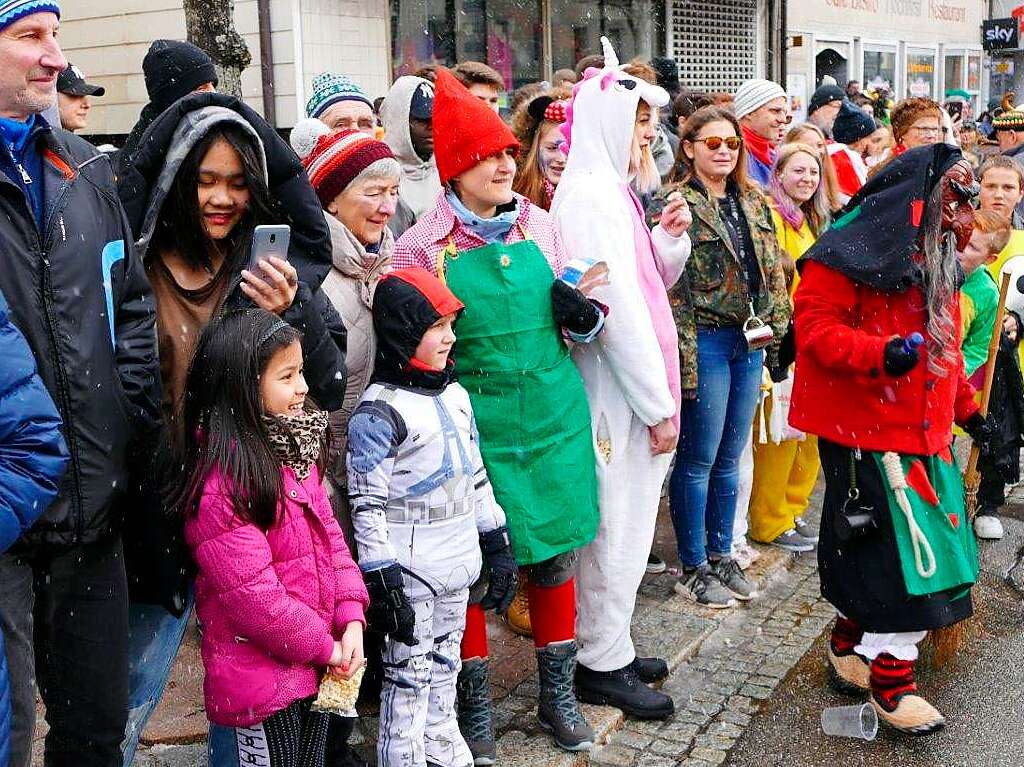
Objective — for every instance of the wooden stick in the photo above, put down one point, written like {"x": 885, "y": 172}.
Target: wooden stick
{"x": 972, "y": 477}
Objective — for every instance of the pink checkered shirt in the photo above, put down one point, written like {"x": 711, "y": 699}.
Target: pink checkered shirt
{"x": 422, "y": 243}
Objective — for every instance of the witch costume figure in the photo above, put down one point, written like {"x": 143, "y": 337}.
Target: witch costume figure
{"x": 877, "y": 324}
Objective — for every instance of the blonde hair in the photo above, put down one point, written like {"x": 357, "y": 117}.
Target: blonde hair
{"x": 816, "y": 209}
{"x": 998, "y": 227}
{"x": 1002, "y": 161}
{"x": 641, "y": 161}
{"x": 828, "y": 171}
{"x": 529, "y": 180}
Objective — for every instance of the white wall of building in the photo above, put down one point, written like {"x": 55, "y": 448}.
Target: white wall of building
{"x": 911, "y": 30}
{"x": 108, "y": 43}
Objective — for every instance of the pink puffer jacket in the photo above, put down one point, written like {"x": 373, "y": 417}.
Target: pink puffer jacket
{"x": 270, "y": 604}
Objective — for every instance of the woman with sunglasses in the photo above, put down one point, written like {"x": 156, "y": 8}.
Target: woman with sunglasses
{"x": 731, "y": 309}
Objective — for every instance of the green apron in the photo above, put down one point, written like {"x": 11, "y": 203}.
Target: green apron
{"x": 945, "y": 526}
{"x": 528, "y": 398}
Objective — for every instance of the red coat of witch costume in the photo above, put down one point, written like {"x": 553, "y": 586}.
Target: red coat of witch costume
{"x": 841, "y": 391}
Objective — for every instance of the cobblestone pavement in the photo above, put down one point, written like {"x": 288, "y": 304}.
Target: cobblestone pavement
{"x": 737, "y": 667}
{"x": 981, "y": 693}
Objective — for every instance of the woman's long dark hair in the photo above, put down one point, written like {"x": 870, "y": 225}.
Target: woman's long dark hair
{"x": 180, "y": 225}
{"x": 222, "y": 417}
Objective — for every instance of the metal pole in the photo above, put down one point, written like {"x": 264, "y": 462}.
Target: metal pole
{"x": 546, "y": 52}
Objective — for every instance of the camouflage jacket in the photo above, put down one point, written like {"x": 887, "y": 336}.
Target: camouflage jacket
{"x": 713, "y": 291}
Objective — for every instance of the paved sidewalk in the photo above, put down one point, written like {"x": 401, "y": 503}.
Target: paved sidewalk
{"x": 666, "y": 624}
{"x": 736, "y": 668}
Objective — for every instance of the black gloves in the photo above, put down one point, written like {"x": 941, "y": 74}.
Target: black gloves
{"x": 777, "y": 373}
{"x": 983, "y": 430}
{"x": 899, "y": 359}
{"x": 390, "y": 612}
{"x": 504, "y": 573}
{"x": 572, "y": 310}
{"x": 787, "y": 348}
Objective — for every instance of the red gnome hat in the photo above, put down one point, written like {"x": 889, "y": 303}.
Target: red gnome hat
{"x": 466, "y": 130}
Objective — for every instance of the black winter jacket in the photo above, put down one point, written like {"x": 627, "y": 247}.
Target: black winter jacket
{"x": 79, "y": 294}
{"x": 139, "y": 185}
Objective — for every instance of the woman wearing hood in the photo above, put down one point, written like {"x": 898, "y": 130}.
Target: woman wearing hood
{"x": 501, "y": 255}
{"x": 631, "y": 372}
{"x": 407, "y": 117}
{"x": 207, "y": 172}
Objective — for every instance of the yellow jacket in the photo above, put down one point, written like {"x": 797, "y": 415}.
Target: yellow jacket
{"x": 795, "y": 242}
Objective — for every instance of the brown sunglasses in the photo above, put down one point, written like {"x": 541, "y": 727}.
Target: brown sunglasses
{"x": 714, "y": 142}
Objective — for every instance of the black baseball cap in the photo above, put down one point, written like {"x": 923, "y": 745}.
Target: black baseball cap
{"x": 421, "y": 106}
{"x": 71, "y": 82}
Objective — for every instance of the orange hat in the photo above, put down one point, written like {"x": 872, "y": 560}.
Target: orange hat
{"x": 466, "y": 130}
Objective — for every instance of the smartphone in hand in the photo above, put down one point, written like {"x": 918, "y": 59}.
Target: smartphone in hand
{"x": 268, "y": 240}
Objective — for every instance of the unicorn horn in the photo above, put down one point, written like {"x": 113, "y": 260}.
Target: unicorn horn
{"x": 610, "y": 59}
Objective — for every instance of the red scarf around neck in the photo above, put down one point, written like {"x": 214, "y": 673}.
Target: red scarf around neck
{"x": 758, "y": 146}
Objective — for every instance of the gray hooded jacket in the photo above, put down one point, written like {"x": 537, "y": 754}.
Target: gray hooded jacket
{"x": 420, "y": 183}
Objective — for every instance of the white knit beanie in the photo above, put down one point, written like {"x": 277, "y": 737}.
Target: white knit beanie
{"x": 754, "y": 94}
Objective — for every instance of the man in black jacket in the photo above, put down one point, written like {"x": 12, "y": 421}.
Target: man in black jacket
{"x": 78, "y": 293}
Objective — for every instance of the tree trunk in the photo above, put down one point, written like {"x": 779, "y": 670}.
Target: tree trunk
{"x": 211, "y": 26}
{"x": 640, "y": 17}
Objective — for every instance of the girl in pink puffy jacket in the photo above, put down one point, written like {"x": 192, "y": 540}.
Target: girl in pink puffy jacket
{"x": 278, "y": 596}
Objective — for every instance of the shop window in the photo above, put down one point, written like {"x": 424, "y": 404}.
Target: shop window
{"x": 953, "y": 73}
{"x": 506, "y": 34}
{"x": 973, "y": 71}
{"x": 830, "y": 62}
{"x": 423, "y": 34}
{"x": 879, "y": 70}
{"x": 577, "y": 26}
{"x": 920, "y": 75}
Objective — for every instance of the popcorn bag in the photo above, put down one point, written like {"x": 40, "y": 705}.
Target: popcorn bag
{"x": 337, "y": 695}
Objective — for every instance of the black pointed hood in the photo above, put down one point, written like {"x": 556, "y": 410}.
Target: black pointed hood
{"x": 874, "y": 238}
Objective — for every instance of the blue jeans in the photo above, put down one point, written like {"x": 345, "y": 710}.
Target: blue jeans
{"x": 154, "y": 636}
{"x": 714, "y": 430}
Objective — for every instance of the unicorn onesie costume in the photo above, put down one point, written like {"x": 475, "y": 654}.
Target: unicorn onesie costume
{"x": 631, "y": 376}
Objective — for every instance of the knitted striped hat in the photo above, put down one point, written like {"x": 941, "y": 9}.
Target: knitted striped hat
{"x": 12, "y": 10}
{"x": 329, "y": 89}
{"x": 1009, "y": 119}
{"x": 754, "y": 94}
{"x": 334, "y": 160}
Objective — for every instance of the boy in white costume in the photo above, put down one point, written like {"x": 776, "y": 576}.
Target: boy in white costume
{"x": 423, "y": 511}
{"x": 631, "y": 372}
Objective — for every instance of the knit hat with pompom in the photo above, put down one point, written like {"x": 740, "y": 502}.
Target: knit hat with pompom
{"x": 335, "y": 160}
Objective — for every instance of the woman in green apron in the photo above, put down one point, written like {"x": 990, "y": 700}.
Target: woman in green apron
{"x": 501, "y": 256}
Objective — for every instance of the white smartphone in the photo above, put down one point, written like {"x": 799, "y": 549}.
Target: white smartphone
{"x": 268, "y": 240}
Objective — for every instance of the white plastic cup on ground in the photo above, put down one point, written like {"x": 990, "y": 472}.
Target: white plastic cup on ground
{"x": 850, "y": 721}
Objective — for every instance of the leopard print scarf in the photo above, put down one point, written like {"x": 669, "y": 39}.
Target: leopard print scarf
{"x": 297, "y": 439}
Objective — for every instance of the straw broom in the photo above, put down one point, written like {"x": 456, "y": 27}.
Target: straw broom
{"x": 972, "y": 477}
{"x": 948, "y": 641}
